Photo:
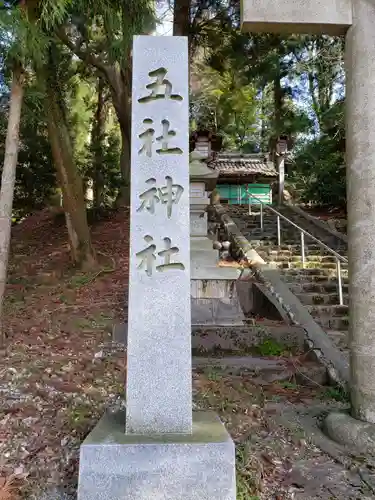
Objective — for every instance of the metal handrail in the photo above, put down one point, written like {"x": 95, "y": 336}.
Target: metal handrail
{"x": 339, "y": 258}
{"x": 323, "y": 245}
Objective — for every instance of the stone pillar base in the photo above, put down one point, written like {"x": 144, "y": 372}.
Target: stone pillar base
{"x": 350, "y": 432}
{"x": 116, "y": 466}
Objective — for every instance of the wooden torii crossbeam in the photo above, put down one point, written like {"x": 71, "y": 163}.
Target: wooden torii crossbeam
{"x": 355, "y": 19}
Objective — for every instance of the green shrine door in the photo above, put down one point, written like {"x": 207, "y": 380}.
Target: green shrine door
{"x": 234, "y": 194}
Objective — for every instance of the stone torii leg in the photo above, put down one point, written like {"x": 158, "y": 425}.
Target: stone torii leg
{"x": 356, "y": 19}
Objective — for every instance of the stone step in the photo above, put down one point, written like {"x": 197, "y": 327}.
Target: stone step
{"x": 333, "y": 323}
{"x": 333, "y": 317}
{"x": 339, "y": 338}
{"x": 285, "y": 238}
{"x": 322, "y": 277}
{"x": 285, "y": 244}
{"x": 256, "y": 222}
{"x": 323, "y": 287}
{"x": 308, "y": 246}
{"x": 314, "y": 274}
{"x": 233, "y": 339}
{"x": 257, "y": 243}
{"x": 285, "y": 231}
{"x": 263, "y": 370}
{"x": 320, "y": 299}
{"x": 256, "y": 225}
{"x": 320, "y": 260}
{"x": 293, "y": 250}
{"x": 329, "y": 270}
{"x": 296, "y": 252}
{"x": 265, "y": 242}
{"x": 328, "y": 310}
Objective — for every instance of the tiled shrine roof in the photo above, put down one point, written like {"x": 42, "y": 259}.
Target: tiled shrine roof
{"x": 236, "y": 164}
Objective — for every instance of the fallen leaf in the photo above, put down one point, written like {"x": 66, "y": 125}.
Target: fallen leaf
{"x": 10, "y": 489}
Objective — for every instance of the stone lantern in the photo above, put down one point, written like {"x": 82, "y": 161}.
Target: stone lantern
{"x": 281, "y": 150}
{"x": 213, "y": 288}
{"x": 202, "y": 182}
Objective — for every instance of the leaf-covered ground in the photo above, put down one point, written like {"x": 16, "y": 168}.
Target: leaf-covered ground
{"x": 54, "y": 387}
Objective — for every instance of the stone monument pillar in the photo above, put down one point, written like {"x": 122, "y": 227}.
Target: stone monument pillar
{"x": 160, "y": 449}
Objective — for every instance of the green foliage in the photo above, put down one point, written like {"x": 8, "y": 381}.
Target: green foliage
{"x": 319, "y": 173}
{"x": 53, "y": 12}
{"x": 321, "y": 60}
{"x": 336, "y": 393}
{"x": 110, "y": 168}
{"x": 81, "y": 100}
{"x": 291, "y": 84}
{"x": 35, "y": 180}
{"x": 289, "y": 385}
{"x": 257, "y": 71}
{"x": 245, "y": 89}
{"x": 225, "y": 104}
{"x": 271, "y": 347}
{"x": 107, "y": 27}
{"x": 24, "y": 34}
{"x": 246, "y": 476}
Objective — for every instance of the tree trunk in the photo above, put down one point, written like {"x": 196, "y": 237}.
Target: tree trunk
{"x": 263, "y": 146}
{"x": 97, "y": 140}
{"x": 278, "y": 104}
{"x": 119, "y": 81}
{"x": 181, "y": 18}
{"x": 120, "y": 92}
{"x": 72, "y": 235}
{"x": 69, "y": 179}
{"x": 278, "y": 128}
{"x": 8, "y": 177}
{"x": 124, "y": 194}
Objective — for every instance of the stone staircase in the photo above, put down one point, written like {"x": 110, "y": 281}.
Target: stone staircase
{"x": 315, "y": 285}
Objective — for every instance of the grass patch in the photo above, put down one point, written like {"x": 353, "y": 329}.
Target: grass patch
{"x": 99, "y": 321}
{"x": 213, "y": 374}
{"x": 289, "y": 385}
{"x": 15, "y": 298}
{"x": 79, "y": 280}
{"x": 82, "y": 279}
{"x": 271, "y": 347}
{"x": 19, "y": 280}
{"x": 247, "y": 476}
{"x": 80, "y": 418}
{"x": 336, "y": 393}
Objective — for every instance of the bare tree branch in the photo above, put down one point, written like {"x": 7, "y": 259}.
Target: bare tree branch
{"x": 85, "y": 55}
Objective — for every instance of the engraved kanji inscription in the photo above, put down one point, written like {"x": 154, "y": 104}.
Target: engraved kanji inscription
{"x": 167, "y": 254}
{"x": 149, "y": 197}
{"x": 161, "y": 88}
{"x": 147, "y": 137}
{"x": 169, "y": 194}
{"x": 148, "y": 257}
{"x": 164, "y": 139}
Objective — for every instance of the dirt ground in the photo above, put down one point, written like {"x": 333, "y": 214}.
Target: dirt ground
{"x": 54, "y": 385}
